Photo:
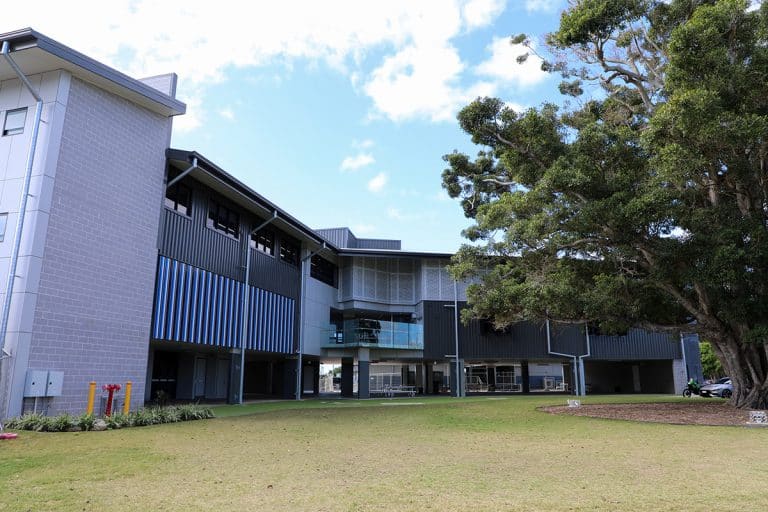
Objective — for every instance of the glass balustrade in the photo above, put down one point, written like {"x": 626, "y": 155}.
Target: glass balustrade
{"x": 362, "y": 332}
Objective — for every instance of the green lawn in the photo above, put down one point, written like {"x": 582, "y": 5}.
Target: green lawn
{"x": 435, "y": 454}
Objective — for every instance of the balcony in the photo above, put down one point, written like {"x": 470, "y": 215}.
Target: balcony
{"x": 369, "y": 333}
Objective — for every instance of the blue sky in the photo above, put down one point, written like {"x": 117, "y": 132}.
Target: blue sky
{"x": 337, "y": 111}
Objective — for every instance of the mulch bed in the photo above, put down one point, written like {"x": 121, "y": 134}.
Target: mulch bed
{"x": 694, "y": 412}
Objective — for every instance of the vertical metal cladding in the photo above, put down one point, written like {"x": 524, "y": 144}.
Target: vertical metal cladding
{"x": 196, "y": 306}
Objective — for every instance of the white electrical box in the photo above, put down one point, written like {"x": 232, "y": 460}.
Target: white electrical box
{"x": 42, "y": 383}
{"x": 55, "y": 383}
{"x": 37, "y": 382}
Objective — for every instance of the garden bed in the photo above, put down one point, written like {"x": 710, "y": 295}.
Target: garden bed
{"x": 693, "y": 412}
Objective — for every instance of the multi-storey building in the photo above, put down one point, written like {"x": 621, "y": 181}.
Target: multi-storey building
{"x": 140, "y": 263}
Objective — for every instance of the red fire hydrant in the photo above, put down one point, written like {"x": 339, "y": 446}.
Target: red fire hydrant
{"x": 110, "y": 388}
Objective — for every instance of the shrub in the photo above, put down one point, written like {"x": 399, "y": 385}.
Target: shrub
{"x": 61, "y": 423}
{"x": 194, "y": 412}
{"x": 116, "y": 421}
{"x": 139, "y": 418}
{"x": 85, "y": 422}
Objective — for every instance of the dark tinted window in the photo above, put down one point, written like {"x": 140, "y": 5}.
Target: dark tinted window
{"x": 178, "y": 198}
{"x": 289, "y": 252}
{"x": 264, "y": 241}
{"x": 223, "y": 219}
{"x": 323, "y": 270}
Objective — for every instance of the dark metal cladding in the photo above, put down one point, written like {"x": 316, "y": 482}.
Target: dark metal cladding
{"x": 189, "y": 240}
{"x": 527, "y": 340}
{"x": 636, "y": 344}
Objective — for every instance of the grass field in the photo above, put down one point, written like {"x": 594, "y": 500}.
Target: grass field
{"x": 420, "y": 454}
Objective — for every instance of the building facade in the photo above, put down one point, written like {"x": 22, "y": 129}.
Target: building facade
{"x": 136, "y": 262}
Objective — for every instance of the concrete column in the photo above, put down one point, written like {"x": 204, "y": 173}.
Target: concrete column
{"x": 363, "y": 373}
{"x": 317, "y": 379}
{"x": 289, "y": 371}
{"x": 347, "y": 376}
{"x": 525, "y": 377}
{"x": 233, "y": 397}
{"x": 457, "y": 381}
{"x": 150, "y": 368}
{"x": 420, "y": 378}
{"x": 430, "y": 374}
{"x": 363, "y": 379}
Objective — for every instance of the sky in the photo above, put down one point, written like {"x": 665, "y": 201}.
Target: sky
{"x": 339, "y": 111}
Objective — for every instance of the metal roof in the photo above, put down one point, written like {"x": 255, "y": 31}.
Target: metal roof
{"x": 217, "y": 178}
{"x": 37, "y": 53}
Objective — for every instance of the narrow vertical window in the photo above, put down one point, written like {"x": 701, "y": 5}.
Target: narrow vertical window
{"x": 14, "y": 121}
{"x": 3, "y": 224}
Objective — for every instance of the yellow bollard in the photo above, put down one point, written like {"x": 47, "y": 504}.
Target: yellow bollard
{"x": 127, "y": 404}
{"x": 91, "y": 397}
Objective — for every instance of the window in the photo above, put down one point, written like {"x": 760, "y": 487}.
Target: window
{"x": 14, "y": 121}
{"x": 289, "y": 252}
{"x": 178, "y": 198}
{"x": 323, "y": 270}
{"x": 264, "y": 241}
{"x": 3, "y": 224}
{"x": 223, "y": 219}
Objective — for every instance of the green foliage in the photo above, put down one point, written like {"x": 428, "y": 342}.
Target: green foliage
{"x": 646, "y": 205}
{"x": 139, "y": 418}
{"x": 85, "y": 422}
{"x": 710, "y": 364}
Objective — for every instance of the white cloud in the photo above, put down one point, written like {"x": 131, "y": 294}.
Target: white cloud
{"x": 194, "y": 116}
{"x": 353, "y": 163}
{"x": 478, "y": 13}
{"x": 227, "y": 113}
{"x": 363, "y": 144}
{"x": 502, "y": 66}
{"x": 376, "y": 184}
{"x": 541, "y": 5}
{"x": 417, "y": 82}
{"x": 400, "y": 52}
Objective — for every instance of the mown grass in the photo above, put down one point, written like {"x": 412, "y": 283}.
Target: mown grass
{"x": 435, "y": 454}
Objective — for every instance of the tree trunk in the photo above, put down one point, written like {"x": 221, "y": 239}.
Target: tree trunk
{"x": 749, "y": 374}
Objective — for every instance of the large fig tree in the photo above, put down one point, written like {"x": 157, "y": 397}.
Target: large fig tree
{"x": 643, "y": 201}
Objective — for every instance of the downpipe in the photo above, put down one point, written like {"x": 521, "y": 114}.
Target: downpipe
{"x": 247, "y": 298}
{"x": 578, "y": 362}
{"x": 14, "y": 258}
{"x": 581, "y": 361}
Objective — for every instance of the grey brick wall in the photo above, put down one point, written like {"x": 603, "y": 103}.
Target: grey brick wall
{"x": 96, "y": 285}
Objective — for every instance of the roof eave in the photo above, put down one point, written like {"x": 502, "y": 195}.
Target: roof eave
{"x": 92, "y": 70}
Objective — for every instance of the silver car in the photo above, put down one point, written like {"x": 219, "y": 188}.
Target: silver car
{"x": 721, "y": 387}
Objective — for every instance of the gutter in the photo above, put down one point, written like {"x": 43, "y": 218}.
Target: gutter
{"x": 14, "y": 258}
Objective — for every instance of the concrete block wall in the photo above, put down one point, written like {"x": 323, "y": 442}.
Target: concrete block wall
{"x": 53, "y": 88}
{"x": 96, "y": 282}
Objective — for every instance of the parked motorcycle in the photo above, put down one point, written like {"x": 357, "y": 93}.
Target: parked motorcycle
{"x": 692, "y": 388}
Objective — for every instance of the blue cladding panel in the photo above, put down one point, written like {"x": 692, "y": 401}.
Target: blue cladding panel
{"x": 196, "y": 306}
